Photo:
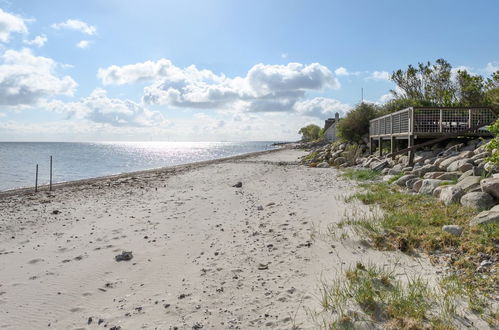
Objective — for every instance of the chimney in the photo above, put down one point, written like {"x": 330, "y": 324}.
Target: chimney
{"x": 336, "y": 117}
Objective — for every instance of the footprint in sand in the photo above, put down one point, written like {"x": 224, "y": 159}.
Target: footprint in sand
{"x": 34, "y": 261}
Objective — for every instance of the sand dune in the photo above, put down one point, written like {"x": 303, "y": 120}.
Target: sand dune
{"x": 205, "y": 254}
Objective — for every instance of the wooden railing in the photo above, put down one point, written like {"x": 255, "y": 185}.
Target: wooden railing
{"x": 431, "y": 121}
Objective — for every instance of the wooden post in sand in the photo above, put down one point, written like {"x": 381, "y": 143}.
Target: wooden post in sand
{"x": 50, "y": 184}
{"x": 36, "y": 179}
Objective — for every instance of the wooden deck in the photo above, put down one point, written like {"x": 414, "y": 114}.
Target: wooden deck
{"x": 430, "y": 122}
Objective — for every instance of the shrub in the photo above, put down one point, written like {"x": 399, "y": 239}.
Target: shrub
{"x": 311, "y": 132}
{"x": 356, "y": 123}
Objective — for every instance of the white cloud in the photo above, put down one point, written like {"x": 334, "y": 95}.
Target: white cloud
{"x": 265, "y": 88}
{"x": 379, "y": 75}
{"x": 321, "y": 107}
{"x": 100, "y": 108}
{"x": 10, "y": 23}
{"x": 76, "y": 25}
{"x": 83, "y": 44}
{"x": 492, "y": 67}
{"x": 39, "y": 41}
{"x": 25, "y": 79}
{"x": 284, "y": 55}
{"x": 341, "y": 71}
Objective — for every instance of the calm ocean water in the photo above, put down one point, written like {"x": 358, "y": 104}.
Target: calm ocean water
{"x": 73, "y": 161}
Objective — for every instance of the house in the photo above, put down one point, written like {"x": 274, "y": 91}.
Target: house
{"x": 330, "y": 132}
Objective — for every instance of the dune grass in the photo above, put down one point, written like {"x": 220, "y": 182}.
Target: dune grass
{"x": 361, "y": 174}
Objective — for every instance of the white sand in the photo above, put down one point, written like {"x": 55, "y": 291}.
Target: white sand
{"x": 192, "y": 234}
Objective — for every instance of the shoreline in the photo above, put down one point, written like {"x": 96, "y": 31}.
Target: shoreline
{"x": 165, "y": 169}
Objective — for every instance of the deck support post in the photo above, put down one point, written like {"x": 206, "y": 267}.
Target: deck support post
{"x": 371, "y": 146}
{"x": 393, "y": 145}
{"x": 380, "y": 143}
{"x": 412, "y": 151}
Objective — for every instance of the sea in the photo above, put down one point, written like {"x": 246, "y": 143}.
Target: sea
{"x": 83, "y": 160}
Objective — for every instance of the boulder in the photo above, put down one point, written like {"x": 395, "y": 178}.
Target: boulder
{"x": 425, "y": 169}
{"x": 448, "y": 176}
{"x": 469, "y": 183}
{"x": 490, "y": 167}
{"x": 432, "y": 175}
{"x": 450, "y": 194}
{"x": 481, "y": 155}
{"x": 461, "y": 165}
{"x": 340, "y": 160}
{"x": 323, "y": 165}
{"x": 394, "y": 171}
{"x": 445, "y": 163}
{"x": 453, "y": 230}
{"x": 417, "y": 185}
{"x": 465, "y": 175}
{"x": 495, "y": 208}
{"x": 428, "y": 185}
{"x": 491, "y": 186}
{"x": 387, "y": 177}
{"x": 437, "y": 191}
{"x": 485, "y": 217}
{"x": 467, "y": 154}
{"x": 411, "y": 182}
{"x": 403, "y": 179}
{"x": 378, "y": 166}
{"x": 477, "y": 200}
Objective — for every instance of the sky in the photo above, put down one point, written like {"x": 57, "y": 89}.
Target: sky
{"x": 218, "y": 70}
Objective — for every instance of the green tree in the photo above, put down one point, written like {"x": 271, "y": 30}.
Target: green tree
{"x": 310, "y": 132}
{"x": 356, "y": 123}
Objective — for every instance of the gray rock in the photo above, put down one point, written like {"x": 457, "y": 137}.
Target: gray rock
{"x": 322, "y": 165}
{"x": 405, "y": 169}
{"x": 461, "y": 165}
{"x": 453, "y": 230}
{"x": 449, "y": 176}
{"x": 340, "y": 160}
{"x": 417, "y": 185}
{"x": 378, "y": 166}
{"x": 485, "y": 217}
{"x": 432, "y": 175}
{"x": 465, "y": 175}
{"x": 481, "y": 155}
{"x": 411, "y": 182}
{"x": 124, "y": 256}
{"x": 450, "y": 194}
{"x": 495, "y": 208}
{"x": 437, "y": 191}
{"x": 425, "y": 169}
{"x": 469, "y": 183}
{"x": 490, "y": 167}
{"x": 403, "y": 179}
{"x": 491, "y": 186}
{"x": 428, "y": 185}
{"x": 477, "y": 200}
{"x": 394, "y": 171}
{"x": 387, "y": 177}
{"x": 445, "y": 163}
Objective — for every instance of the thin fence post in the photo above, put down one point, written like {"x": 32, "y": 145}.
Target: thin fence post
{"x": 50, "y": 184}
{"x": 36, "y": 179}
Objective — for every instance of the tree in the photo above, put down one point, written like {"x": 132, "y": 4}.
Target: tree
{"x": 356, "y": 123}
{"x": 438, "y": 85}
{"x": 310, "y": 132}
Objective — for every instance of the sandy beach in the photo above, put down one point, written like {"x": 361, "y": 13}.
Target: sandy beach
{"x": 205, "y": 254}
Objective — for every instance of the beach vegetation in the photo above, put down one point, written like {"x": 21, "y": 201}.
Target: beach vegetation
{"x": 493, "y": 145}
{"x": 412, "y": 223}
{"x": 361, "y": 174}
{"x": 373, "y": 295}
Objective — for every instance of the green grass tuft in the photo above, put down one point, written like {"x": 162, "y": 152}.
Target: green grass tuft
{"x": 361, "y": 174}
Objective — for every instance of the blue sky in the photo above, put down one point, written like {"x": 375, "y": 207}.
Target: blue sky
{"x": 218, "y": 70}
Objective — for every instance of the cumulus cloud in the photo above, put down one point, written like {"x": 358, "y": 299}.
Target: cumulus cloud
{"x": 492, "y": 67}
{"x": 380, "y": 75}
{"x": 341, "y": 71}
{"x": 25, "y": 79}
{"x": 265, "y": 88}
{"x": 321, "y": 107}
{"x": 10, "y": 23}
{"x": 38, "y": 41}
{"x": 76, "y": 25}
{"x": 83, "y": 44}
{"x": 100, "y": 108}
